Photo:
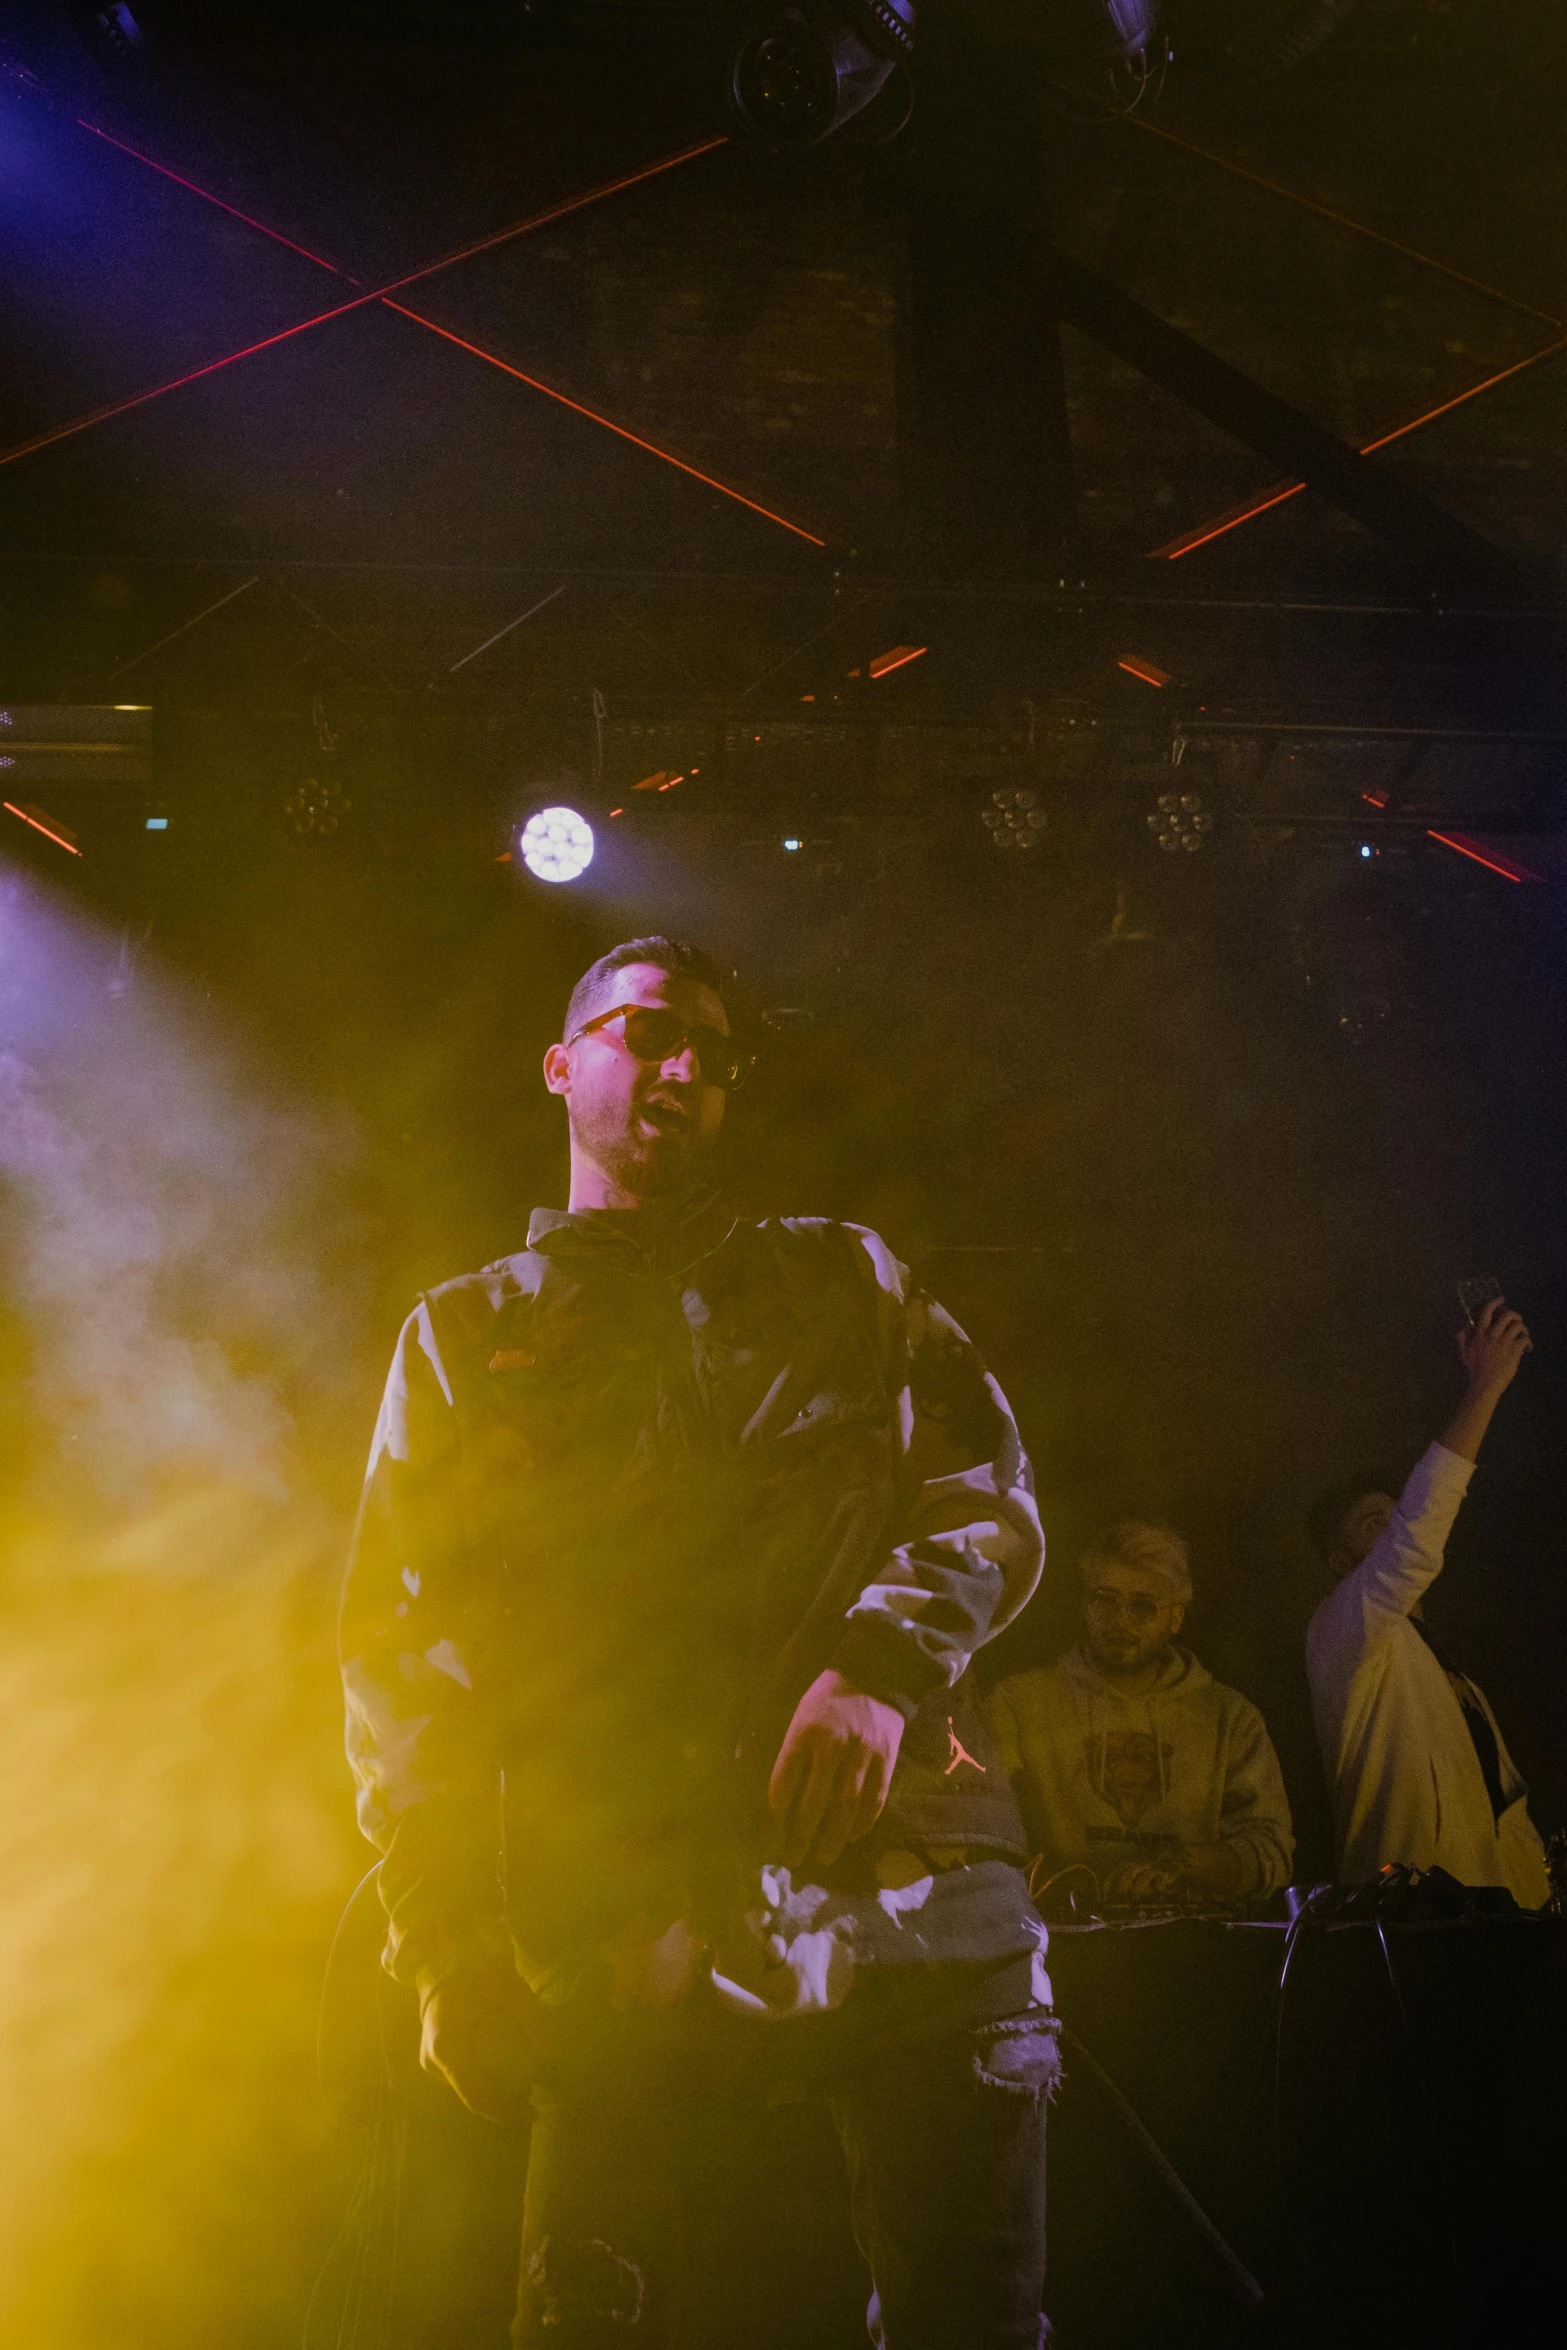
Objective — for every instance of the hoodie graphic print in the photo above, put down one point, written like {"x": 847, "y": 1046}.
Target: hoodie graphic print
{"x": 1103, "y": 1778}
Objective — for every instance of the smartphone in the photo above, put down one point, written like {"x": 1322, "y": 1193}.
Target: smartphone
{"x": 1475, "y": 1294}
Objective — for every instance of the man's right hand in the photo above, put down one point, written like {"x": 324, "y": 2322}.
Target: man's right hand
{"x": 1492, "y": 1348}
{"x": 484, "y": 2032}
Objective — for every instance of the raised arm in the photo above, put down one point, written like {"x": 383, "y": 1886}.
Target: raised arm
{"x": 1407, "y": 1557}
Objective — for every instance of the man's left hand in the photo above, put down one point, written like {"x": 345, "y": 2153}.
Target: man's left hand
{"x": 833, "y": 1770}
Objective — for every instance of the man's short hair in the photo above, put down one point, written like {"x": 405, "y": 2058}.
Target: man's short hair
{"x": 593, "y": 989}
{"x": 1142, "y": 1542}
{"x": 1327, "y": 1513}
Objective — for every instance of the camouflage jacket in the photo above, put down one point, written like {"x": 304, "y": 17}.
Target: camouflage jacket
{"x": 624, "y": 1503}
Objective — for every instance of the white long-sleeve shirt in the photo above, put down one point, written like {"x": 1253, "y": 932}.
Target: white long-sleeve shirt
{"x": 1405, "y": 1778}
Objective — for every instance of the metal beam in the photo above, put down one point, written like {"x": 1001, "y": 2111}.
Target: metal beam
{"x": 1383, "y": 504}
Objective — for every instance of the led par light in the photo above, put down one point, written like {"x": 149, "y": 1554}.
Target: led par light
{"x": 556, "y": 844}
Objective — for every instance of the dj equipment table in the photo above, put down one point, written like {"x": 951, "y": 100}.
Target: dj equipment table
{"x": 1371, "y": 2118}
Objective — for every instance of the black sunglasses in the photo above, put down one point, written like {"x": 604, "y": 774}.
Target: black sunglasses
{"x": 653, "y": 1033}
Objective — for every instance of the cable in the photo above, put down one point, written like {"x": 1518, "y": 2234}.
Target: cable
{"x": 1075, "y": 1868}
{"x": 1243, "y": 2285}
{"x": 1325, "y": 2285}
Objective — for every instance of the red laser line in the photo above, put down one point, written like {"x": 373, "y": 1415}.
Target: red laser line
{"x": 59, "y": 840}
{"x": 1145, "y": 670}
{"x": 1473, "y": 393}
{"x": 207, "y": 197}
{"x": 1339, "y": 219}
{"x": 652, "y": 448}
{"x": 1292, "y": 489}
{"x": 1466, "y": 848}
{"x": 63, "y": 432}
{"x": 899, "y": 658}
{"x": 261, "y": 225}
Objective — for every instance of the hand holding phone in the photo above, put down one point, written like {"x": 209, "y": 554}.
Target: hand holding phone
{"x": 1475, "y": 1294}
{"x": 1492, "y": 1345}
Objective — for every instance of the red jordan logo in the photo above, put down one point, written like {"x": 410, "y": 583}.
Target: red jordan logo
{"x": 960, "y": 1753}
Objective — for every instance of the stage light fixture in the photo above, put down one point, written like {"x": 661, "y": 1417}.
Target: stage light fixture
{"x": 1180, "y": 822}
{"x": 1015, "y": 820}
{"x": 556, "y": 844}
{"x": 114, "y": 36}
{"x": 1133, "y": 24}
{"x": 316, "y": 806}
{"x": 792, "y": 844}
{"x": 796, "y": 74}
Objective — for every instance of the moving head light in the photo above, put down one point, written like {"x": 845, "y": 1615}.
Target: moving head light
{"x": 115, "y": 36}
{"x": 797, "y": 73}
{"x": 798, "y": 70}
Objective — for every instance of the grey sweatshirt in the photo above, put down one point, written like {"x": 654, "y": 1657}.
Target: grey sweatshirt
{"x": 1104, "y": 1778}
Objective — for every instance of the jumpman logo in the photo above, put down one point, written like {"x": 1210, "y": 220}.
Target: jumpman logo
{"x": 960, "y": 1753}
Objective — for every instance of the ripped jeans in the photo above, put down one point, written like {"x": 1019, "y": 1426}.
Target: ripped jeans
{"x": 938, "y": 2086}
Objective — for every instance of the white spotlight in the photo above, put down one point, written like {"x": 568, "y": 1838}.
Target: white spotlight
{"x": 557, "y": 844}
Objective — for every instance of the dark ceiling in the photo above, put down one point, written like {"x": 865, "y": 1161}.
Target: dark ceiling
{"x": 1365, "y": 238}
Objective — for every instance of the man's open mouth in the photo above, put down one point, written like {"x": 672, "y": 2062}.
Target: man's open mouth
{"x": 667, "y": 1117}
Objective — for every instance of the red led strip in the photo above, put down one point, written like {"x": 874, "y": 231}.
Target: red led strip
{"x": 1492, "y": 863}
{"x": 62, "y": 432}
{"x": 636, "y": 439}
{"x": 1292, "y": 489}
{"x": 1145, "y": 670}
{"x": 58, "y": 838}
{"x": 1231, "y": 520}
{"x": 898, "y": 658}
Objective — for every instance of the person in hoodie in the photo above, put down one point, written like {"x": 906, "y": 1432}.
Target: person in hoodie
{"x": 1415, "y": 1761}
{"x": 679, "y": 1532}
{"x": 1130, "y": 1761}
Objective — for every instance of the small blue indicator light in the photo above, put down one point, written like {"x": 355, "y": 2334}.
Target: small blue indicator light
{"x": 157, "y": 824}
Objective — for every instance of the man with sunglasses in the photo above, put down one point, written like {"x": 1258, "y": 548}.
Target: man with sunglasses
{"x": 679, "y": 1532}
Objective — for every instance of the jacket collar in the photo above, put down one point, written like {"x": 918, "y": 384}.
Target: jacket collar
{"x": 637, "y": 1240}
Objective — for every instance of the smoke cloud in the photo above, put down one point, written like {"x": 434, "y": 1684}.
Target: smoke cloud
{"x": 179, "y": 1335}
{"x": 175, "y": 1233}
